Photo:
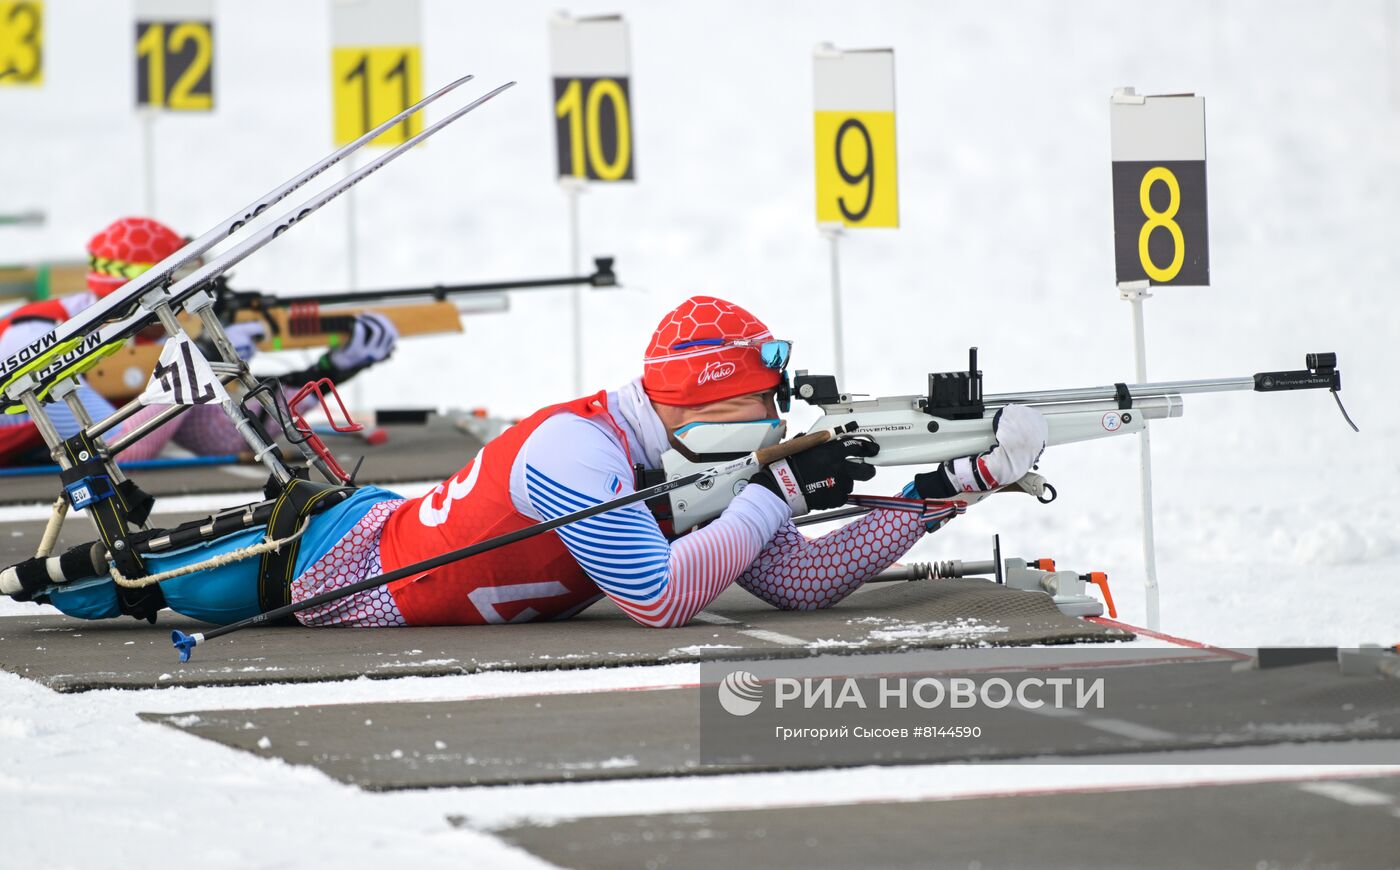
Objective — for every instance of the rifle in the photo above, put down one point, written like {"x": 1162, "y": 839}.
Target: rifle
{"x": 299, "y": 321}
{"x": 32, "y": 218}
{"x": 42, "y": 281}
{"x": 954, "y": 419}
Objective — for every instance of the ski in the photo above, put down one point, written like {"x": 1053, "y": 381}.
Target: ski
{"x": 61, "y": 338}
{"x": 87, "y": 350}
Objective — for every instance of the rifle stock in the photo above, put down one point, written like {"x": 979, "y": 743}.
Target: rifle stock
{"x": 42, "y": 281}
{"x": 122, "y": 376}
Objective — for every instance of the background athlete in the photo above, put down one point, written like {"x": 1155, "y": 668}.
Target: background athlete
{"x": 123, "y": 250}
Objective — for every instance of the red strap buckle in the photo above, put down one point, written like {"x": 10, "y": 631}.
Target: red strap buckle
{"x": 320, "y": 388}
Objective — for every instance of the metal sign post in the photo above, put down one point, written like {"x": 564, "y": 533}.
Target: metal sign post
{"x": 854, "y": 139}
{"x": 590, "y": 63}
{"x": 174, "y": 57}
{"x": 1160, "y": 236}
{"x": 376, "y": 73}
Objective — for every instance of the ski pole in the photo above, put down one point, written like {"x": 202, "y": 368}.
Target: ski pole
{"x": 63, "y": 360}
{"x": 160, "y": 272}
{"x": 185, "y": 643}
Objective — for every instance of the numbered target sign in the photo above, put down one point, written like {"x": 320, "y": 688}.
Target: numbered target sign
{"x": 21, "y": 43}
{"x": 376, "y": 68}
{"x": 592, "y": 98}
{"x": 857, "y": 177}
{"x": 174, "y": 54}
{"x": 1159, "y": 189}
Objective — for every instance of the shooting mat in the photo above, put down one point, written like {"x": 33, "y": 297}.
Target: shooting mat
{"x": 1154, "y": 708}
{"x": 73, "y": 655}
{"x": 1258, "y": 824}
{"x": 414, "y": 452}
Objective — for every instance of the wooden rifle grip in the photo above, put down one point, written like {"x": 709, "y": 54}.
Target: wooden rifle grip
{"x": 768, "y": 455}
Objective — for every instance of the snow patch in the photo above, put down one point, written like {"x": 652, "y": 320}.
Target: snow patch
{"x": 697, "y": 648}
{"x": 606, "y": 764}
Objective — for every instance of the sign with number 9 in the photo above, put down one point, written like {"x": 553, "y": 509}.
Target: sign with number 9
{"x": 1159, "y": 190}
{"x": 855, "y": 159}
{"x": 21, "y": 43}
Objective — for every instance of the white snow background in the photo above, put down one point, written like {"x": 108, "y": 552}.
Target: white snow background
{"x": 1275, "y": 523}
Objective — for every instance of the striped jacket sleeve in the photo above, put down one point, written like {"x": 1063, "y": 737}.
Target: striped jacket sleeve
{"x": 570, "y": 463}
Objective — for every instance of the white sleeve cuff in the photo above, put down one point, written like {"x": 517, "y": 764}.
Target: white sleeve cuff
{"x": 759, "y": 508}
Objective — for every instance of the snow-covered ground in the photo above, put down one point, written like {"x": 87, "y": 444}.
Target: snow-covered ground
{"x": 1275, "y": 524}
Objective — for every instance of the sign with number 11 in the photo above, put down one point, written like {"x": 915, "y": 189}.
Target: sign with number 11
{"x": 376, "y": 68}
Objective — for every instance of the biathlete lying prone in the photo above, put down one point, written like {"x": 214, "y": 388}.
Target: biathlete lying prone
{"x": 709, "y": 362}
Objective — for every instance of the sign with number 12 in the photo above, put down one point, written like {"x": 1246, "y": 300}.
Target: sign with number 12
{"x": 175, "y": 55}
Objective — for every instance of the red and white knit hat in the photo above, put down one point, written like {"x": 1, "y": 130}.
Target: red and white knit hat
{"x": 676, "y": 371}
{"x": 125, "y": 249}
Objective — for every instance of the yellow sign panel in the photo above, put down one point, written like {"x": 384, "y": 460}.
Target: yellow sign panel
{"x": 593, "y": 132}
{"x": 372, "y": 84}
{"x": 21, "y": 43}
{"x": 174, "y": 65}
{"x": 857, "y": 181}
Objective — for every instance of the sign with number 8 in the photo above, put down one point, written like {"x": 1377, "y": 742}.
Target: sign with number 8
{"x": 1159, "y": 190}
{"x": 855, "y": 138}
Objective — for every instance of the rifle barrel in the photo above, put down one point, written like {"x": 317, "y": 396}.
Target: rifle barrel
{"x": 1137, "y": 391}
{"x": 602, "y": 276}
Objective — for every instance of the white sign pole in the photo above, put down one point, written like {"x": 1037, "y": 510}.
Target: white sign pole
{"x": 854, "y": 138}
{"x": 367, "y": 28}
{"x": 148, "y": 161}
{"x": 590, "y": 66}
{"x": 1160, "y": 237}
{"x": 164, "y": 71}
{"x": 573, "y": 189}
{"x": 833, "y": 232}
{"x": 1135, "y": 292}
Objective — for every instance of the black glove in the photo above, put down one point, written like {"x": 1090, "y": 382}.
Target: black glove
{"x": 820, "y": 477}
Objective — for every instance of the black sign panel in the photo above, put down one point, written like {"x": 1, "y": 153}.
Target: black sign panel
{"x": 593, "y": 128}
{"x": 175, "y": 65}
{"x": 1159, "y": 222}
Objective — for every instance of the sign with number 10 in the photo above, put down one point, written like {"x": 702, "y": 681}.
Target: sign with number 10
{"x": 376, "y": 68}
{"x": 21, "y": 42}
{"x": 857, "y": 178}
{"x": 1159, "y": 189}
{"x": 592, "y": 98}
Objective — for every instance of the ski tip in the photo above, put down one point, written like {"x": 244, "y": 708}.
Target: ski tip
{"x": 184, "y": 643}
